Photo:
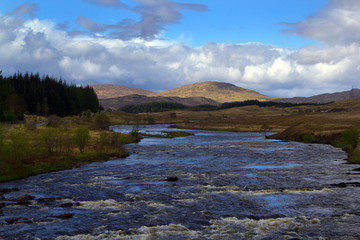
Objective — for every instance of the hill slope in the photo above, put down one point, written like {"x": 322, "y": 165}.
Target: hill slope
{"x": 105, "y": 91}
{"x": 323, "y": 98}
{"x": 217, "y": 91}
{"x": 116, "y": 103}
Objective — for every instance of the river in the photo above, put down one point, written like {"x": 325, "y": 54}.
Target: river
{"x": 211, "y": 185}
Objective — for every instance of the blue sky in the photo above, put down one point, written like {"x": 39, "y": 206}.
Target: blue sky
{"x": 280, "y": 48}
{"x": 230, "y": 21}
{"x": 244, "y": 21}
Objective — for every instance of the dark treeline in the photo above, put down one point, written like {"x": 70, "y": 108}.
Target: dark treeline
{"x": 31, "y": 94}
{"x": 166, "y": 106}
{"x": 261, "y": 104}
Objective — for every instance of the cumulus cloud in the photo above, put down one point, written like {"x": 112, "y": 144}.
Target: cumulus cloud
{"x": 157, "y": 64}
{"x": 337, "y": 23}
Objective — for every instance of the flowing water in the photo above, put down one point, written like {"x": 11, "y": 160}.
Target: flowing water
{"x": 228, "y": 186}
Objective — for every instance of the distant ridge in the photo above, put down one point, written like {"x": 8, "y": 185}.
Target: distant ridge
{"x": 116, "y": 103}
{"x": 104, "y": 91}
{"x": 323, "y": 98}
{"x": 217, "y": 91}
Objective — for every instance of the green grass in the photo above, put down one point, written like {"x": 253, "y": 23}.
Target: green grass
{"x": 25, "y": 152}
{"x": 54, "y": 163}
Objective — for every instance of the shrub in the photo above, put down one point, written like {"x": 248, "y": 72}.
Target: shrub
{"x": 308, "y": 138}
{"x": 81, "y": 137}
{"x": 265, "y": 128}
{"x": 48, "y": 139}
{"x": 149, "y": 120}
{"x": 102, "y": 141}
{"x": 135, "y": 131}
{"x": 349, "y": 139}
{"x": 30, "y": 124}
{"x": 102, "y": 121}
{"x": 53, "y": 120}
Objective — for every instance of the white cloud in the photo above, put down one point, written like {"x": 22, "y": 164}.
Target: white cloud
{"x": 158, "y": 64}
{"x": 337, "y": 23}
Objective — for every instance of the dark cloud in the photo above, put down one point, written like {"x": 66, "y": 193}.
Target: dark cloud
{"x": 26, "y": 9}
{"x": 90, "y": 25}
{"x": 155, "y": 16}
{"x": 107, "y": 3}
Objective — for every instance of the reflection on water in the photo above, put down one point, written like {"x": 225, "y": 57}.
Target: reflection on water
{"x": 228, "y": 186}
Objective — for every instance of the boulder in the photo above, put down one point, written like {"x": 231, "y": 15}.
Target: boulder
{"x": 24, "y": 199}
{"x": 65, "y": 216}
{"x": 171, "y": 179}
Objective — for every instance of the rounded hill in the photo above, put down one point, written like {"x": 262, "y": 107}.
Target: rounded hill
{"x": 217, "y": 91}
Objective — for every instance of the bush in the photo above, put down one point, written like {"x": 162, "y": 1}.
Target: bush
{"x": 308, "y": 138}
{"x": 265, "y": 128}
{"x": 349, "y": 139}
{"x": 53, "y": 120}
{"x": 102, "y": 141}
{"x": 81, "y": 137}
{"x": 135, "y": 131}
{"x": 149, "y": 120}
{"x": 102, "y": 121}
{"x": 30, "y": 124}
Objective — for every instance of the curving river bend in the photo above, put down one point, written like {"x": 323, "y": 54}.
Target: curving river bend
{"x": 230, "y": 186}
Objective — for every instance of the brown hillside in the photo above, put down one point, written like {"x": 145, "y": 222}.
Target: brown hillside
{"x": 116, "y": 103}
{"x": 104, "y": 91}
{"x": 324, "y": 98}
{"x": 217, "y": 91}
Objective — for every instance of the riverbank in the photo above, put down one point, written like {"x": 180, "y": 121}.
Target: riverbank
{"x": 42, "y": 146}
{"x": 336, "y": 124}
{"x": 225, "y": 185}
{"x": 31, "y": 149}
{"x": 347, "y": 139}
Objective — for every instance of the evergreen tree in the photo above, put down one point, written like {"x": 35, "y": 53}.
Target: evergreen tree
{"x": 30, "y": 93}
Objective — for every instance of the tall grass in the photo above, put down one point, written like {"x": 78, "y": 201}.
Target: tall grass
{"x": 29, "y": 152}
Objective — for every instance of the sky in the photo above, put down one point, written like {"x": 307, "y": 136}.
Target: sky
{"x": 279, "y": 48}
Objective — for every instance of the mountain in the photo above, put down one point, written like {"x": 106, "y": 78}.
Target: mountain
{"x": 104, "y": 91}
{"x": 323, "y": 98}
{"x": 217, "y": 91}
{"x": 115, "y": 103}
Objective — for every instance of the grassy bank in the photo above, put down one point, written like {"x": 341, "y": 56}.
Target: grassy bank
{"x": 42, "y": 145}
{"x": 36, "y": 147}
{"x": 347, "y": 139}
{"x": 336, "y": 123}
